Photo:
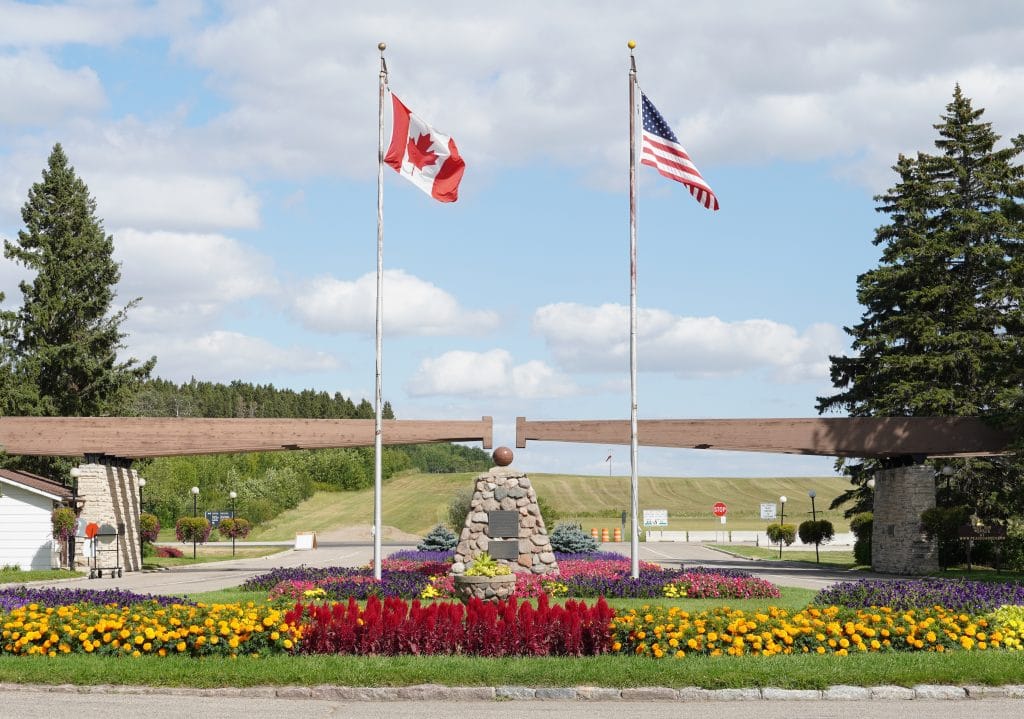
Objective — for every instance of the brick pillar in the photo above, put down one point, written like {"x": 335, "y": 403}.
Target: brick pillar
{"x": 111, "y": 496}
{"x": 898, "y": 546}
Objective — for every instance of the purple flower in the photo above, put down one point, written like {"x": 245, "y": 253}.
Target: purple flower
{"x": 955, "y": 594}
{"x": 20, "y": 595}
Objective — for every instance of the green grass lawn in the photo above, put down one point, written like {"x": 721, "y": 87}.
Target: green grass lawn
{"x": 13, "y": 575}
{"x": 841, "y": 559}
{"x": 208, "y": 554}
{"x": 792, "y": 672}
{"x": 415, "y": 502}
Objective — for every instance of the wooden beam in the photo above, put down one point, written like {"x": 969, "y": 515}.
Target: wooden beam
{"x": 832, "y": 437}
{"x": 137, "y": 437}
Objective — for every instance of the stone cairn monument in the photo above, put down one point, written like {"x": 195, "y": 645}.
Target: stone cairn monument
{"x": 504, "y": 521}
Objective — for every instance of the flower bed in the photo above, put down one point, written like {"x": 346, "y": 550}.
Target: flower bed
{"x": 413, "y": 574}
{"x": 671, "y": 632}
{"x": 489, "y": 629}
{"x": 707, "y": 585}
{"x": 19, "y": 596}
{"x": 955, "y": 594}
{"x": 134, "y": 629}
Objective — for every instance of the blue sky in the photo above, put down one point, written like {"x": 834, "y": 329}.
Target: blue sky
{"x": 231, "y": 149}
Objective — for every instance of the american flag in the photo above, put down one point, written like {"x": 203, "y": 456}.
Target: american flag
{"x": 661, "y": 150}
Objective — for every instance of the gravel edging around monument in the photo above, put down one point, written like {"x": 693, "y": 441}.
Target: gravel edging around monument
{"x": 436, "y": 692}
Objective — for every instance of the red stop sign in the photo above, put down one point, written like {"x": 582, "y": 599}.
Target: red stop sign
{"x": 719, "y": 509}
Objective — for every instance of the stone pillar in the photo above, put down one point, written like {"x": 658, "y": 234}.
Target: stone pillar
{"x": 109, "y": 495}
{"x": 898, "y": 546}
{"x": 508, "y": 492}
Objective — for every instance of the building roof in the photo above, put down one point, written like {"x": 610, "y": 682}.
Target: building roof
{"x": 33, "y": 482}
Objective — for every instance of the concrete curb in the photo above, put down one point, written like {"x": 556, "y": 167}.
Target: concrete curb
{"x": 437, "y": 692}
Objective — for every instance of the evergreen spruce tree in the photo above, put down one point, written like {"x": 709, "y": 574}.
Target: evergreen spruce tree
{"x": 63, "y": 342}
{"x": 942, "y": 329}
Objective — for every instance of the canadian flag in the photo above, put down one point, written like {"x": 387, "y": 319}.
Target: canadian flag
{"x": 427, "y": 158}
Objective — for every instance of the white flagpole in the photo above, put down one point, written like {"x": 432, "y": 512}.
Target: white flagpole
{"x": 634, "y": 502}
{"x": 377, "y": 394}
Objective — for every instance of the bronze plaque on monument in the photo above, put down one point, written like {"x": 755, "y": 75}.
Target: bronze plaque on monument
{"x": 503, "y": 524}
{"x": 504, "y": 550}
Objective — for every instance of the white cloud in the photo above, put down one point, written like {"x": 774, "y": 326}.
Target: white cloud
{"x": 411, "y": 307}
{"x": 169, "y": 200}
{"x": 850, "y": 82}
{"x": 596, "y": 339}
{"x": 36, "y": 91}
{"x": 221, "y": 356}
{"x": 488, "y": 374}
{"x": 186, "y": 281}
{"x": 94, "y": 22}
{"x": 201, "y": 269}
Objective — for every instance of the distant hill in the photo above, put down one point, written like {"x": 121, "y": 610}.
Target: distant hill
{"x": 415, "y": 502}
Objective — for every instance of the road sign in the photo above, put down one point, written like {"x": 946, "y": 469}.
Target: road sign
{"x": 214, "y": 518}
{"x": 768, "y": 510}
{"x": 719, "y": 509}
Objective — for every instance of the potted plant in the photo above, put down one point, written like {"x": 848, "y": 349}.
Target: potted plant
{"x": 485, "y": 579}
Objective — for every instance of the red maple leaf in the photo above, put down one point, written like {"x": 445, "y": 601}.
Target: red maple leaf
{"x": 419, "y": 152}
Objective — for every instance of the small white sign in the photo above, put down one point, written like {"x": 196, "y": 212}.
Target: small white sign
{"x": 305, "y": 540}
{"x": 655, "y": 517}
{"x": 768, "y": 510}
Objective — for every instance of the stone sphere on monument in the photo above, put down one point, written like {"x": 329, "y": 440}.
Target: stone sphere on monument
{"x": 502, "y": 456}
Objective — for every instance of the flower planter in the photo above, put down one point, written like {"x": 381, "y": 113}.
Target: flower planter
{"x": 499, "y": 587}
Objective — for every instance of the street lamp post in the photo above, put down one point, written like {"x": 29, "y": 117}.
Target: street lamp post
{"x": 233, "y": 494}
{"x": 195, "y": 500}
{"x": 142, "y": 542}
{"x": 814, "y": 518}
{"x": 782, "y": 521}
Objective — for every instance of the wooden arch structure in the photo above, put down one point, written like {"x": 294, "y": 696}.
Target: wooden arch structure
{"x": 139, "y": 437}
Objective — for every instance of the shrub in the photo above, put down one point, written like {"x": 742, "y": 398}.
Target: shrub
{"x": 438, "y": 539}
{"x": 234, "y": 528}
{"x": 458, "y": 509}
{"x": 781, "y": 533}
{"x": 943, "y": 525}
{"x": 816, "y": 531}
{"x": 260, "y": 510}
{"x": 192, "y": 529}
{"x": 571, "y": 539}
{"x": 167, "y": 552}
{"x": 149, "y": 527}
{"x": 862, "y": 526}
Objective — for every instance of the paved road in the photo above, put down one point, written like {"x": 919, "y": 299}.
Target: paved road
{"x": 34, "y": 704}
{"x": 192, "y": 579}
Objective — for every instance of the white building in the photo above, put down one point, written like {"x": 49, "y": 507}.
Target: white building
{"x": 26, "y": 533}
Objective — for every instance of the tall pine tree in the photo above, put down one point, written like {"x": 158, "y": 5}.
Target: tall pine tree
{"x": 942, "y": 332}
{"x": 63, "y": 342}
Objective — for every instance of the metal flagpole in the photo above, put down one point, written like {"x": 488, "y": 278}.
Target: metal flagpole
{"x": 377, "y": 394}
{"x": 634, "y": 502}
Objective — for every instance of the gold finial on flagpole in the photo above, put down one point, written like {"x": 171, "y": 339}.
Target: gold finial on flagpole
{"x": 382, "y": 46}
{"x": 631, "y": 44}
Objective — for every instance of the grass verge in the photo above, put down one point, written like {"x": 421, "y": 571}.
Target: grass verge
{"x": 13, "y": 575}
{"x": 793, "y": 672}
{"x": 210, "y": 554}
{"x": 833, "y": 558}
